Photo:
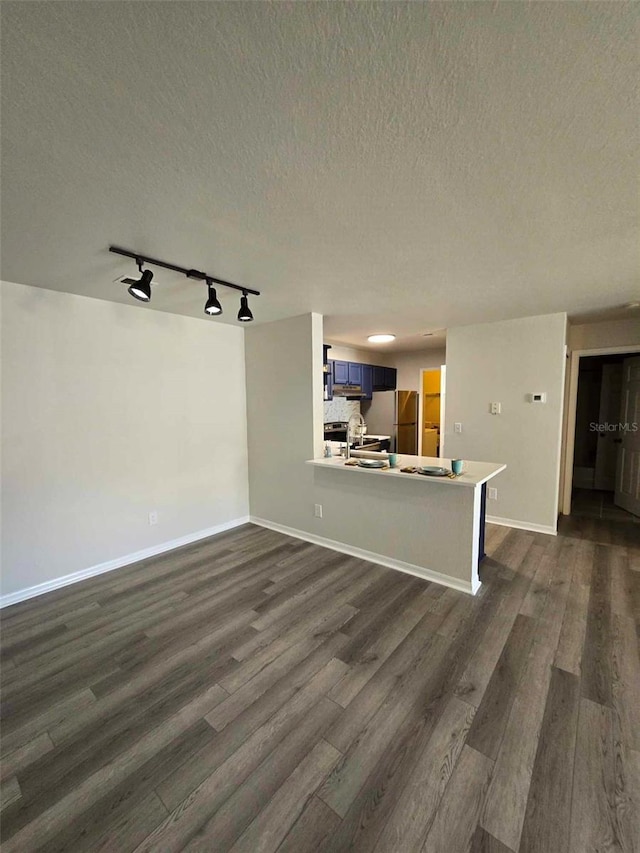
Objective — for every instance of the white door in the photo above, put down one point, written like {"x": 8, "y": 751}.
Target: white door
{"x": 627, "y": 493}
{"x": 607, "y": 448}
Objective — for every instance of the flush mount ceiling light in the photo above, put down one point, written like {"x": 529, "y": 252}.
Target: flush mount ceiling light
{"x": 141, "y": 288}
{"x": 244, "y": 314}
{"x": 381, "y": 339}
{"x": 212, "y": 306}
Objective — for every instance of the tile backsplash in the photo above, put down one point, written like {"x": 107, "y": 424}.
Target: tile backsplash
{"x": 340, "y": 409}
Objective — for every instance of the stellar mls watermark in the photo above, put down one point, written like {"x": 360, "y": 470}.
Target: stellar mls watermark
{"x": 617, "y": 427}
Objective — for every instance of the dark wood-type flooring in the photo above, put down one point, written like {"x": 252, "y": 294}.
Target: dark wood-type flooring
{"x": 256, "y": 693}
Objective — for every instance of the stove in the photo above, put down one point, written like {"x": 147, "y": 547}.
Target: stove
{"x": 335, "y": 431}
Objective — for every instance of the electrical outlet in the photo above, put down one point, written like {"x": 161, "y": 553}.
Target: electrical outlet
{"x": 495, "y": 408}
{"x": 317, "y": 510}
{"x": 153, "y": 517}
{"x": 457, "y": 427}
{"x": 493, "y": 493}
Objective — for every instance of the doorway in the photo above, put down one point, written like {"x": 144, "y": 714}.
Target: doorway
{"x": 431, "y": 414}
{"x": 602, "y": 462}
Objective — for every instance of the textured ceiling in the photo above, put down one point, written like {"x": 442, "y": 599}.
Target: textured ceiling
{"x": 402, "y": 167}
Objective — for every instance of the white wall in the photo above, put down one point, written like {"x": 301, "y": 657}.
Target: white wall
{"x": 408, "y": 364}
{"x": 611, "y": 333}
{"x": 284, "y": 406}
{"x": 380, "y": 412}
{"x": 284, "y": 411}
{"x": 111, "y": 411}
{"x": 411, "y": 364}
{"x": 338, "y": 352}
{"x": 502, "y": 362}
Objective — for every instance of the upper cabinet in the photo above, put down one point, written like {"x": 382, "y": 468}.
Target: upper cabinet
{"x": 367, "y": 376}
{"x": 384, "y": 378}
{"x": 391, "y": 378}
{"x": 367, "y": 381}
{"x": 355, "y": 373}
{"x": 340, "y": 372}
{"x": 347, "y": 373}
{"x": 378, "y": 378}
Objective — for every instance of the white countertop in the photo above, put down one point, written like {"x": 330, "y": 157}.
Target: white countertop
{"x": 474, "y": 473}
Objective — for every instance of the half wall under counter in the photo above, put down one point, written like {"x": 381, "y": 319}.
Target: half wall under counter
{"x": 432, "y": 527}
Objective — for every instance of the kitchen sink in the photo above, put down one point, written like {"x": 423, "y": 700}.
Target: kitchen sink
{"x": 365, "y": 453}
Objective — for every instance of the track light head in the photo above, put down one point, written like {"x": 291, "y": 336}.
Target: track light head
{"x": 244, "y": 314}
{"x": 212, "y": 306}
{"x": 141, "y": 289}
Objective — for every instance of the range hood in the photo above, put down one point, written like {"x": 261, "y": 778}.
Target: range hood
{"x": 353, "y": 392}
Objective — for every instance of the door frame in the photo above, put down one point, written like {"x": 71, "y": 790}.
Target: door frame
{"x": 443, "y": 376}
{"x": 569, "y": 437}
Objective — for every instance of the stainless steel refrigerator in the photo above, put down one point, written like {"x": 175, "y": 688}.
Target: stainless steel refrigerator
{"x": 406, "y": 422}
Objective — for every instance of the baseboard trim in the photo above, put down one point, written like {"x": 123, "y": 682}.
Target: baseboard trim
{"x": 118, "y": 563}
{"x": 370, "y": 556}
{"x": 522, "y": 525}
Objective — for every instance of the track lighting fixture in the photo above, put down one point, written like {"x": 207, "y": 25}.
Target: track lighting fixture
{"x": 244, "y": 314}
{"x": 212, "y": 306}
{"x": 141, "y": 288}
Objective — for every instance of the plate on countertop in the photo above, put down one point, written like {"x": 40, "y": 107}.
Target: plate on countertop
{"x": 434, "y": 471}
{"x": 372, "y": 463}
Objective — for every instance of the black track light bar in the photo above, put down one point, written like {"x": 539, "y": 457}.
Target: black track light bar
{"x": 190, "y": 273}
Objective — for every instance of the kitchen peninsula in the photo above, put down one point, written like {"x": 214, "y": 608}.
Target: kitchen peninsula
{"x": 432, "y": 527}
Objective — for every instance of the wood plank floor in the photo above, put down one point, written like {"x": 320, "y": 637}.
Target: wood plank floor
{"x": 253, "y": 692}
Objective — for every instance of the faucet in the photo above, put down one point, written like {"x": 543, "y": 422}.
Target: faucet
{"x": 361, "y": 423}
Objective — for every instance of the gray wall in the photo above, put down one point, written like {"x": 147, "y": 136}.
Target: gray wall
{"x": 111, "y": 411}
{"x": 411, "y": 364}
{"x": 608, "y": 333}
{"x": 502, "y": 362}
{"x": 284, "y": 411}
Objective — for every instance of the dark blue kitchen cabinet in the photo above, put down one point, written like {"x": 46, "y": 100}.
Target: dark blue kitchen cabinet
{"x": 366, "y": 376}
{"x": 347, "y": 373}
{"x": 378, "y": 378}
{"x": 390, "y": 378}
{"x": 341, "y": 372}
{"x": 367, "y": 381}
{"x": 355, "y": 373}
{"x": 384, "y": 378}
